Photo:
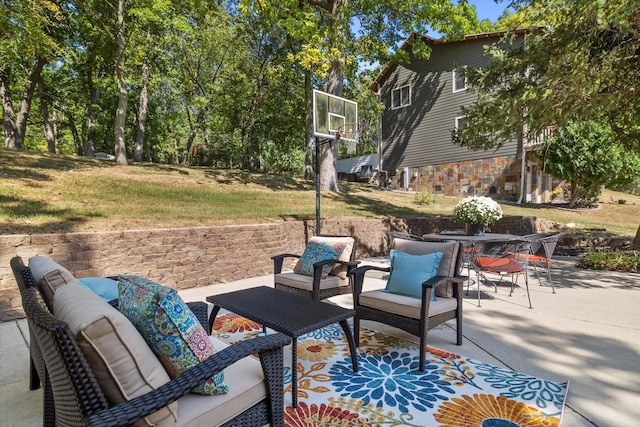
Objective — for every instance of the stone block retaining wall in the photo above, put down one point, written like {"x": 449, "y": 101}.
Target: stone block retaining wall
{"x": 191, "y": 257}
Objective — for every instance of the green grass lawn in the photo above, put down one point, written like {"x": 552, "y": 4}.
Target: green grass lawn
{"x": 44, "y": 193}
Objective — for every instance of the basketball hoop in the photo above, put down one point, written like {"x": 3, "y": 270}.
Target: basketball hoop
{"x": 349, "y": 133}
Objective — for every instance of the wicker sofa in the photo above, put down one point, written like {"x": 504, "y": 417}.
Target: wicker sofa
{"x": 74, "y": 392}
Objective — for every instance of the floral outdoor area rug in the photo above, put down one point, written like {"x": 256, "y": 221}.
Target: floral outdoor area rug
{"x": 388, "y": 390}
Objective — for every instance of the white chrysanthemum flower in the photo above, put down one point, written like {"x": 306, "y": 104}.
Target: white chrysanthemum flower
{"x": 477, "y": 210}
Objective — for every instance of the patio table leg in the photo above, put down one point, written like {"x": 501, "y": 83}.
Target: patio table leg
{"x": 212, "y": 317}
{"x": 294, "y": 372}
{"x": 352, "y": 344}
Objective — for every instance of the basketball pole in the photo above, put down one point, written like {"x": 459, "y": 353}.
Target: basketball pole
{"x": 318, "y": 143}
{"x": 317, "y": 186}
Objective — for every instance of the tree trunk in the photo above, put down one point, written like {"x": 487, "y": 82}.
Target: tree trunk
{"x": 8, "y": 116}
{"x": 195, "y": 128}
{"x": 142, "y": 114}
{"x": 335, "y": 85}
{"x": 308, "y": 127}
{"x": 74, "y": 133}
{"x": 636, "y": 240}
{"x": 91, "y": 112}
{"x": 92, "y": 120}
{"x": 25, "y": 105}
{"x": 15, "y": 126}
{"x": 121, "y": 112}
{"x": 175, "y": 147}
{"x": 575, "y": 193}
{"x": 205, "y": 137}
{"x": 49, "y": 134}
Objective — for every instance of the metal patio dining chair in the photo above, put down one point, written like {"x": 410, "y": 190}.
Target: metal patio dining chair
{"x": 542, "y": 247}
{"x": 503, "y": 258}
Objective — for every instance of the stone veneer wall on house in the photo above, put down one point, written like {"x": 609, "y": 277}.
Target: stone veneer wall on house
{"x": 496, "y": 177}
{"x": 191, "y": 257}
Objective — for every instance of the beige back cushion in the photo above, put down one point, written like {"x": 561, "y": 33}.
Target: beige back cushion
{"x": 121, "y": 360}
{"x": 50, "y": 276}
{"x": 339, "y": 270}
{"x": 447, "y": 264}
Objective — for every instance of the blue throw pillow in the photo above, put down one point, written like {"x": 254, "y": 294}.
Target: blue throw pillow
{"x": 409, "y": 272}
{"x": 318, "y": 249}
{"x": 169, "y": 327}
{"x": 106, "y": 288}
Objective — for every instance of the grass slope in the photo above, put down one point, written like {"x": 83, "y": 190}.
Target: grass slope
{"x": 45, "y": 193}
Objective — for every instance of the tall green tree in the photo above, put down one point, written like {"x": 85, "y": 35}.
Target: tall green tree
{"x": 31, "y": 35}
{"x": 202, "y": 59}
{"x": 587, "y": 156}
{"x": 125, "y": 23}
{"x": 332, "y": 46}
{"x": 584, "y": 64}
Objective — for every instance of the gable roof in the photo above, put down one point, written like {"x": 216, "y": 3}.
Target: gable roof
{"x": 387, "y": 69}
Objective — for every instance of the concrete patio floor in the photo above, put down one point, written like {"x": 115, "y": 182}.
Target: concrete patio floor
{"x": 587, "y": 333}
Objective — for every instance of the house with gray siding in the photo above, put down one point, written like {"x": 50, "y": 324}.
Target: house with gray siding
{"x": 423, "y": 100}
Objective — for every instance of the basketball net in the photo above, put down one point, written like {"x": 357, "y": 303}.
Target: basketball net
{"x": 349, "y": 134}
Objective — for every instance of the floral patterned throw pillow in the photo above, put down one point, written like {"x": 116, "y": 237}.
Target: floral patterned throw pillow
{"x": 169, "y": 327}
{"x": 318, "y": 249}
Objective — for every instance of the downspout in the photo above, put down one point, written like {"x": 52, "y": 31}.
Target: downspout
{"x": 523, "y": 172}
{"x": 523, "y": 166}
{"x": 380, "y": 142}
{"x": 525, "y": 140}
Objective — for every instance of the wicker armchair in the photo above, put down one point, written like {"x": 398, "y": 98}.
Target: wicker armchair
{"x": 337, "y": 282}
{"x": 73, "y": 396}
{"x": 413, "y": 315}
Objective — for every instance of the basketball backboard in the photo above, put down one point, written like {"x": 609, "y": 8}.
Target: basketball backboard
{"x": 330, "y": 112}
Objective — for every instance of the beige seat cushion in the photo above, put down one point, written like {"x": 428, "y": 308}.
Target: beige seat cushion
{"x": 50, "y": 276}
{"x": 403, "y": 305}
{"x": 121, "y": 360}
{"x": 447, "y": 267}
{"x": 301, "y": 281}
{"x": 246, "y": 388}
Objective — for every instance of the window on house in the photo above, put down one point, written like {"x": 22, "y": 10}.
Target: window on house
{"x": 400, "y": 97}
{"x": 460, "y": 122}
{"x": 459, "y": 81}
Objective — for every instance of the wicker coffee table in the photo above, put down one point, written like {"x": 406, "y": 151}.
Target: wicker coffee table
{"x": 285, "y": 312}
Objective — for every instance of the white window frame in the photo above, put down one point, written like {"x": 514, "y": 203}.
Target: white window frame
{"x": 457, "y": 121}
{"x": 453, "y": 84}
{"x": 396, "y": 91}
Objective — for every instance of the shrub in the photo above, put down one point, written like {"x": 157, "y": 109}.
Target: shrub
{"x": 628, "y": 261}
{"x": 425, "y": 198}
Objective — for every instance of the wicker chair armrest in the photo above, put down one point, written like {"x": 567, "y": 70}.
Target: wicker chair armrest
{"x": 317, "y": 267}
{"x": 439, "y": 280}
{"x": 335, "y": 261}
{"x": 269, "y": 348}
{"x": 358, "y": 275}
{"x": 279, "y": 259}
{"x": 201, "y": 311}
{"x": 435, "y": 281}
